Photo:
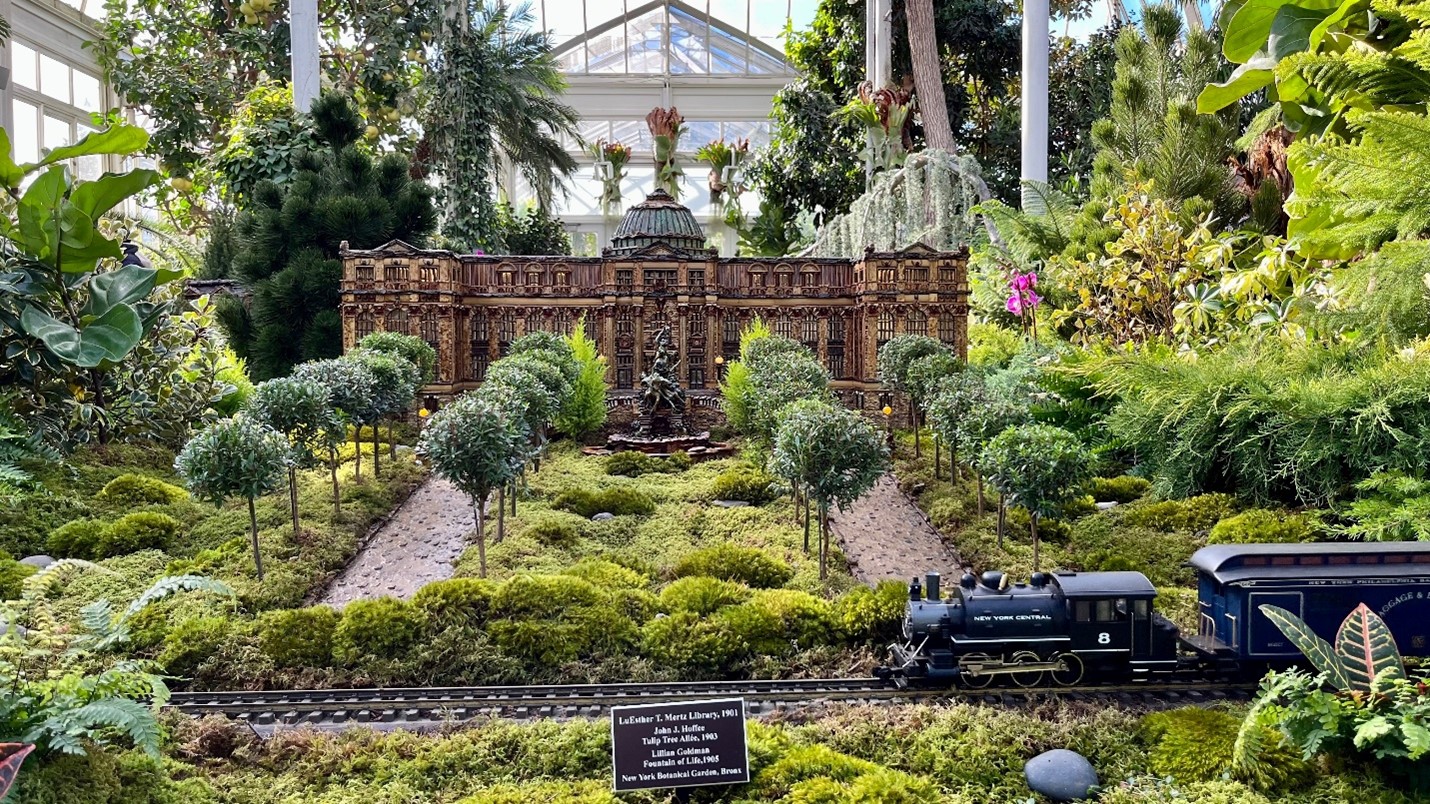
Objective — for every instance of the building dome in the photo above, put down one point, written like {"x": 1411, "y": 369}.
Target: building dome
{"x": 658, "y": 219}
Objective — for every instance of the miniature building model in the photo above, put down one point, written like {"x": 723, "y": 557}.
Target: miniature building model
{"x": 657, "y": 273}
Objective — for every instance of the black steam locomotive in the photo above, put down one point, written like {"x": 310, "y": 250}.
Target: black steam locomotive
{"x": 1062, "y": 627}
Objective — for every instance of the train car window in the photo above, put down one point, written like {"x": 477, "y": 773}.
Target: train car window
{"x": 1255, "y": 561}
{"x": 1283, "y": 561}
{"x": 1422, "y": 558}
{"x": 1340, "y": 559}
{"x": 1371, "y": 559}
{"x": 1082, "y": 611}
{"x": 1140, "y": 608}
{"x": 1104, "y": 611}
{"x": 1312, "y": 561}
{"x": 1400, "y": 559}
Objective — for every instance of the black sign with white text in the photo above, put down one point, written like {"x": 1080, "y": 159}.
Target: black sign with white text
{"x": 679, "y": 744}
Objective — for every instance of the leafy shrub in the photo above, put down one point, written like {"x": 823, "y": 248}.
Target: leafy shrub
{"x": 1190, "y": 744}
{"x": 873, "y": 614}
{"x": 747, "y": 565}
{"x": 618, "y": 500}
{"x": 455, "y": 601}
{"x": 702, "y": 595}
{"x": 1122, "y": 489}
{"x": 745, "y": 483}
{"x": 689, "y": 642}
{"x": 141, "y": 530}
{"x": 298, "y": 637}
{"x": 553, "y": 528}
{"x": 773, "y": 622}
{"x": 192, "y": 641}
{"x": 380, "y": 628}
{"x": 1258, "y": 526}
{"x": 1194, "y": 513}
{"x": 136, "y": 491}
{"x": 78, "y": 539}
{"x": 628, "y": 463}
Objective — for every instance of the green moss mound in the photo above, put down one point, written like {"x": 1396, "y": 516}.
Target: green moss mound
{"x": 1123, "y": 489}
{"x": 1190, "y": 744}
{"x": 702, "y": 595}
{"x": 618, "y": 500}
{"x": 298, "y": 637}
{"x": 375, "y": 630}
{"x": 1258, "y": 526}
{"x": 747, "y": 565}
{"x": 136, "y": 491}
{"x": 745, "y": 484}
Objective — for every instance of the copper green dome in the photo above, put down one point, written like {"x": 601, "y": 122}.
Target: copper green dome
{"x": 657, "y": 219}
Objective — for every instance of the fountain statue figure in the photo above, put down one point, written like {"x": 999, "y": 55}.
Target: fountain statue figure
{"x": 662, "y": 400}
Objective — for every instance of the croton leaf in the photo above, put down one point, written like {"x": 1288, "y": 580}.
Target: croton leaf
{"x": 12, "y": 756}
{"x": 124, "y": 285}
{"x": 1367, "y": 650}
{"x": 1318, "y": 651}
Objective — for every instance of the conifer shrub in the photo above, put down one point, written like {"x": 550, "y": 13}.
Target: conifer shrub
{"x": 691, "y": 643}
{"x": 78, "y": 539}
{"x": 747, "y": 565}
{"x": 455, "y": 602}
{"x": 1197, "y": 513}
{"x": 872, "y": 614}
{"x": 136, "y": 491}
{"x": 618, "y": 500}
{"x": 744, "y": 483}
{"x": 1258, "y": 526}
{"x": 1190, "y": 744}
{"x": 698, "y": 594}
{"x": 298, "y": 637}
{"x": 1123, "y": 489}
{"x": 192, "y": 641}
{"x": 141, "y": 530}
{"x": 375, "y": 629}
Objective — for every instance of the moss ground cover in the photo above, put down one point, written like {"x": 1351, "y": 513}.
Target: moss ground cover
{"x": 957, "y": 754}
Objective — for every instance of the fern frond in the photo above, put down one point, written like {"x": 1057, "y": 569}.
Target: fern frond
{"x": 131, "y": 718}
{"x": 37, "y": 585}
{"x": 171, "y": 585}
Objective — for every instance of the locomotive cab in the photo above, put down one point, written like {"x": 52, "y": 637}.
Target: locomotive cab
{"x": 1112, "y": 624}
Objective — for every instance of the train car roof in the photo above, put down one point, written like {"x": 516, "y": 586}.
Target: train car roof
{"x": 1104, "y": 584}
{"x": 1228, "y": 563}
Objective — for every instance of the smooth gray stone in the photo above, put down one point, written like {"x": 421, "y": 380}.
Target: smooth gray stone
{"x": 732, "y": 503}
{"x": 1061, "y": 775}
{"x": 41, "y": 561}
{"x": 603, "y": 516}
{"x": 1107, "y": 506}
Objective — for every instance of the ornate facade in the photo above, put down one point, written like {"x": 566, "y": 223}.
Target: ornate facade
{"x": 657, "y": 273}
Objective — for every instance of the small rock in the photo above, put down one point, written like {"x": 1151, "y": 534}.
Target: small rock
{"x": 1107, "y": 506}
{"x": 604, "y": 516}
{"x": 732, "y": 503}
{"x": 1061, "y": 775}
{"x": 38, "y": 561}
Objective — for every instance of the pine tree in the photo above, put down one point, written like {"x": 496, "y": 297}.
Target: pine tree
{"x": 288, "y": 239}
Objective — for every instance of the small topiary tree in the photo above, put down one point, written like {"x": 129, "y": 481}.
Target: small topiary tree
{"x": 894, "y": 359}
{"x": 477, "y": 446}
{"x": 585, "y": 409}
{"x": 300, "y": 410}
{"x": 778, "y": 380}
{"x": 235, "y": 457}
{"x": 1039, "y": 467}
{"x": 395, "y": 384}
{"x": 994, "y": 410}
{"x": 833, "y": 453}
{"x": 352, "y": 391}
{"x": 550, "y": 348}
{"x": 922, "y": 380}
{"x": 954, "y": 401}
{"x": 410, "y": 348}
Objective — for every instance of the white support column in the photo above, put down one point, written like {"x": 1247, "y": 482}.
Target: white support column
{"x": 1035, "y": 94}
{"x": 303, "y": 25}
{"x": 878, "y": 59}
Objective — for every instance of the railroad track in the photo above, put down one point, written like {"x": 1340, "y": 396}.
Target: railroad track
{"x": 432, "y": 707}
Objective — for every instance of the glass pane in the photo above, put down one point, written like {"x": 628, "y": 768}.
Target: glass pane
{"x": 54, "y": 78}
{"x": 606, "y": 51}
{"x": 57, "y": 133}
{"x": 646, "y": 43}
{"x": 86, "y": 91}
{"x": 88, "y": 168}
{"x": 27, "y": 132}
{"x": 634, "y": 134}
{"x": 22, "y": 66}
{"x": 698, "y": 133}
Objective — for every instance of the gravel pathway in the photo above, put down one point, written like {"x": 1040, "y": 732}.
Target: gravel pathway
{"x": 885, "y": 535}
{"x": 415, "y": 547}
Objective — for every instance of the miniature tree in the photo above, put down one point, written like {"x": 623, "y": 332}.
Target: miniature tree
{"x": 955, "y": 399}
{"x": 778, "y": 380}
{"x": 528, "y": 374}
{"x": 992, "y": 412}
{"x": 410, "y": 348}
{"x": 300, "y": 410}
{"x": 833, "y": 452}
{"x": 895, "y": 358}
{"x": 585, "y": 410}
{"x": 394, "y": 386}
{"x": 549, "y": 348}
{"x": 235, "y": 457}
{"x": 475, "y": 445}
{"x": 352, "y": 391}
{"x": 922, "y": 380}
{"x": 1039, "y": 467}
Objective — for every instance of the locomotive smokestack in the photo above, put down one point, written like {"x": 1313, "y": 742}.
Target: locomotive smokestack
{"x": 916, "y": 593}
{"x": 931, "y": 586}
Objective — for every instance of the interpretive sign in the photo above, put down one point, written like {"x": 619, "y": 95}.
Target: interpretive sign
{"x": 685, "y": 744}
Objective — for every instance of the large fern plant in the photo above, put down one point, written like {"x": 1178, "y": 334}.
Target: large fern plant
{"x": 65, "y": 686}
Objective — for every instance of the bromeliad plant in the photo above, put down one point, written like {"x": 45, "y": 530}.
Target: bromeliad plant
{"x": 887, "y": 115}
{"x": 613, "y": 156}
{"x": 667, "y": 127}
{"x": 1359, "y": 701}
{"x": 725, "y": 179}
{"x": 70, "y": 312}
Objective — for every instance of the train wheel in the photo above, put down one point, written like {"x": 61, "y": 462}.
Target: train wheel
{"x": 1027, "y": 678}
{"x": 975, "y": 682}
{"x": 1073, "y": 672}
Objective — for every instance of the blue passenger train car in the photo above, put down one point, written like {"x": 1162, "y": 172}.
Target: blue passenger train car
{"x": 1320, "y": 583}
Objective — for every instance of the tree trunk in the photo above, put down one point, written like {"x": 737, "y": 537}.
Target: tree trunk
{"x": 337, "y": 497}
{"x": 914, "y": 421}
{"x": 478, "y": 504}
{"x": 980, "y": 491}
{"x": 806, "y": 525}
{"x": 928, "y": 77}
{"x": 293, "y": 498}
{"x": 357, "y": 453}
{"x": 953, "y": 474}
{"x": 1002, "y": 519}
{"x": 501, "y": 513}
{"x": 823, "y": 541}
{"x": 253, "y": 537}
{"x": 1034, "y": 524}
{"x": 513, "y": 494}
{"x": 938, "y": 459}
{"x": 392, "y": 440}
{"x": 376, "y": 451}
